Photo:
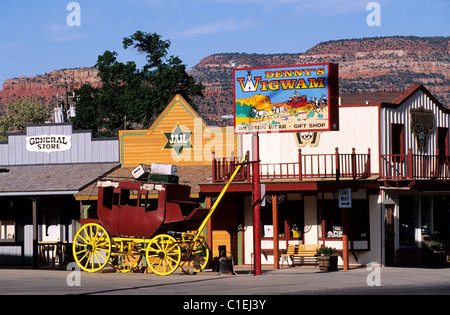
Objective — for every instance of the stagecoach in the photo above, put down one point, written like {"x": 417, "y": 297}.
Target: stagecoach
{"x": 145, "y": 224}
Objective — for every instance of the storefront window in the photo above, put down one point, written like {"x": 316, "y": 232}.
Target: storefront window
{"x": 267, "y": 221}
{"x": 290, "y": 219}
{"x": 441, "y": 216}
{"x": 7, "y": 230}
{"x": 408, "y": 220}
{"x": 7, "y": 223}
{"x": 332, "y": 218}
{"x": 358, "y": 220}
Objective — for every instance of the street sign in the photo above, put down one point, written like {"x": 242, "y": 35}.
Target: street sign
{"x": 345, "y": 198}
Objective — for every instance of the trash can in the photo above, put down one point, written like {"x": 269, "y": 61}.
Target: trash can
{"x": 226, "y": 266}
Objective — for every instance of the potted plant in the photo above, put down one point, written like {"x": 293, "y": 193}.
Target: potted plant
{"x": 438, "y": 256}
{"x": 327, "y": 261}
{"x": 435, "y": 254}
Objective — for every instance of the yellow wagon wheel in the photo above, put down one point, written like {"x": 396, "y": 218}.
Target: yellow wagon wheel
{"x": 91, "y": 247}
{"x": 163, "y": 254}
{"x": 195, "y": 257}
{"x": 128, "y": 261}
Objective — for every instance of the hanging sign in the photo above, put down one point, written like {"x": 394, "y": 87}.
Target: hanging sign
{"x": 50, "y": 143}
{"x": 422, "y": 123}
{"x": 295, "y": 98}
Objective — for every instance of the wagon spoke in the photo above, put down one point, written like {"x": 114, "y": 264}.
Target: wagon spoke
{"x": 163, "y": 254}
{"x": 91, "y": 247}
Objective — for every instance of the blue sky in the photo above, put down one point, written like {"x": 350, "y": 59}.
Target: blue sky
{"x": 35, "y": 37}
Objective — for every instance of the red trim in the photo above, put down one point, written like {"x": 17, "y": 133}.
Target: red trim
{"x": 372, "y": 104}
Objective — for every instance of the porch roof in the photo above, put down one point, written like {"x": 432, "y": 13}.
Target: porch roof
{"x": 294, "y": 185}
{"x": 50, "y": 179}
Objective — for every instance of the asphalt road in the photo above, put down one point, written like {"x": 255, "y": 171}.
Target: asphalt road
{"x": 282, "y": 282}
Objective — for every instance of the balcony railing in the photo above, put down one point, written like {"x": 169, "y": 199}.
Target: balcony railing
{"x": 308, "y": 166}
{"x": 414, "y": 166}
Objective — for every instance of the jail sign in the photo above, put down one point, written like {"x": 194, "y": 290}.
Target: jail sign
{"x": 50, "y": 143}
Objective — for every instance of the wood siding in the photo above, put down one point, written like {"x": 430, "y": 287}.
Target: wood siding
{"x": 149, "y": 146}
{"x": 401, "y": 115}
{"x": 359, "y": 129}
{"x": 84, "y": 149}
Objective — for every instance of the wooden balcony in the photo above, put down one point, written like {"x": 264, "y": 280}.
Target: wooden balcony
{"x": 414, "y": 167}
{"x": 308, "y": 166}
{"x": 393, "y": 167}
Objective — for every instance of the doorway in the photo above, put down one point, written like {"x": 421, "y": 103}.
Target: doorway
{"x": 389, "y": 235}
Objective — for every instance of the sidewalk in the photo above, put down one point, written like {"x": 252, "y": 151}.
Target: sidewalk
{"x": 297, "y": 280}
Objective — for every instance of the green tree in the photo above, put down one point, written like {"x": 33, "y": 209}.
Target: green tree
{"x": 20, "y": 113}
{"x": 138, "y": 95}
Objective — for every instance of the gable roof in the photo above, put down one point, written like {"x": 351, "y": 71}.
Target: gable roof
{"x": 388, "y": 98}
{"x": 178, "y": 100}
{"x": 371, "y": 97}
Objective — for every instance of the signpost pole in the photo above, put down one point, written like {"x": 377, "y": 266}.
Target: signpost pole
{"x": 256, "y": 188}
{"x": 345, "y": 237}
{"x": 345, "y": 203}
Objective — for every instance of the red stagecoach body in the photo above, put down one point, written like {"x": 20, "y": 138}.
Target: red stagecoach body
{"x": 298, "y": 101}
{"x": 131, "y": 209}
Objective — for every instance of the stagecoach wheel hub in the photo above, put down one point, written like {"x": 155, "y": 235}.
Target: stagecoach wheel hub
{"x": 161, "y": 255}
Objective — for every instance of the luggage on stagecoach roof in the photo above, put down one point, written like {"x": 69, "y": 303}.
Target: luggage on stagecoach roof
{"x": 143, "y": 171}
{"x": 164, "y": 169}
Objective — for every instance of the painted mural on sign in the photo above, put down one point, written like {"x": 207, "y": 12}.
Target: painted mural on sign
{"x": 286, "y": 99}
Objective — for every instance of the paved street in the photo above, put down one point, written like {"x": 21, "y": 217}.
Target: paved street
{"x": 286, "y": 281}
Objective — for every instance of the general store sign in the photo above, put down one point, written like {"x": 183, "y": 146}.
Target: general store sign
{"x": 50, "y": 143}
{"x": 295, "y": 98}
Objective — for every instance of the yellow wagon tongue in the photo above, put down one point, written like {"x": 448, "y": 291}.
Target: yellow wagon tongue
{"x": 213, "y": 208}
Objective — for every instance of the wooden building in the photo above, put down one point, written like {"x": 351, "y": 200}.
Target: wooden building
{"x": 178, "y": 136}
{"x": 392, "y": 152}
{"x": 40, "y": 171}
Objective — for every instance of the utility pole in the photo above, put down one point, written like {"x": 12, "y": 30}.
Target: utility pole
{"x": 67, "y": 99}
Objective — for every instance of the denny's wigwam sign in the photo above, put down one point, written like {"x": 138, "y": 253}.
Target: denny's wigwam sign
{"x": 286, "y": 99}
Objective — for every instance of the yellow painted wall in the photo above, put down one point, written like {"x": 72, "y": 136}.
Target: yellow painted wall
{"x": 148, "y": 146}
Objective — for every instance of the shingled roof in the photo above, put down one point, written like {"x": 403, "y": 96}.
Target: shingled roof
{"x": 374, "y": 97}
{"x": 50, "y": 178}
{"x": 388, "y": 98}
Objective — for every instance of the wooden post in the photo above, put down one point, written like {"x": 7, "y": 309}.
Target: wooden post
{"x": 35, "y": 258}
{"x": 300, "y": 174}
{"x": 276, "y": 255}
{"x": 256, "y": 188}
{"x": 209, "y": 237}
{"x": 410, "y": 164}
{"x": 354, "y": 170}
{"x": 345, "y": 238}
{"x": 214, "y": 167}
{"x": 336, "y": 157}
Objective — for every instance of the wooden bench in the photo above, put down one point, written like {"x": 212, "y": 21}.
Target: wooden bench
{"x": 299, "y": 252}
